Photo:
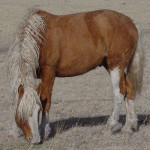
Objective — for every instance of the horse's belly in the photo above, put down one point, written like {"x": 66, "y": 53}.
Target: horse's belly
{"x": 78, "y": 64}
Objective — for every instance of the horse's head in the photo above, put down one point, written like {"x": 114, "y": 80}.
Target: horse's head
{"x": 29, "y": 113}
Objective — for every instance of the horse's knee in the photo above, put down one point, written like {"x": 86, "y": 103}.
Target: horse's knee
{"x": 46, "y": 104}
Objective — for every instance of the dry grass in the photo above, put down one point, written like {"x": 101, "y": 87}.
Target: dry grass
{"x": 80, "y": 105}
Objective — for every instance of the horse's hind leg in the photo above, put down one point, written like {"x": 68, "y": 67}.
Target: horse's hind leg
{"x": 118, "y": 83}
{"x": 48, "y": 77}
{"x": 131, "y": 117}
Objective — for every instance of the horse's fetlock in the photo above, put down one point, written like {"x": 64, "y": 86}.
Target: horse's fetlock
{"x": 116, "y": 128}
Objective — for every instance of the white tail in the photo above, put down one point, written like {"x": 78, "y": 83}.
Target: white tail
{"x": 135, "y": 73}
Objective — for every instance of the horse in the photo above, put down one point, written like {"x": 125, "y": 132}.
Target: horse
{"x": 48, "y": 46}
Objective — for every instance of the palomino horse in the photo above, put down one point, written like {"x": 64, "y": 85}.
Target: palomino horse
{"x": 71, "y": 45}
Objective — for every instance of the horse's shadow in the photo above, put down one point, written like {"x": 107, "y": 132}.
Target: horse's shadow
{"x": 66, "y": 124}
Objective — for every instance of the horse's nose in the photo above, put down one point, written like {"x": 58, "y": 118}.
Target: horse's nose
{"x": 29, "y": 139}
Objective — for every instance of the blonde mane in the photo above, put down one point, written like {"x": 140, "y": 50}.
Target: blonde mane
{"x": 23, "y": 59}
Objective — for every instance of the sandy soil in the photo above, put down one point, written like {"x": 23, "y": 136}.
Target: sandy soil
{"x": 80, "y": 105}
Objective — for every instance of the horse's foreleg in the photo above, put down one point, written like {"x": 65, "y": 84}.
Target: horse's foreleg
{"x": 45, "y": 128}
{"x": 48, "y": 77}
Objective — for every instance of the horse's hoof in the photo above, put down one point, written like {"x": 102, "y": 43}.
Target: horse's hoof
{"x": 105, "y": 131}
{"x": 130, "y": 128}
{"x": 134, "y": 127}
{"x": 126, "y": 130}
{"x": 116, "y": 128}
{"x": 46, "y": 138}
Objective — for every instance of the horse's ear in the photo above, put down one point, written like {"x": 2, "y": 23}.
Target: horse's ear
{"x": 38, "y": 88}
{"x": 20, "y": 91}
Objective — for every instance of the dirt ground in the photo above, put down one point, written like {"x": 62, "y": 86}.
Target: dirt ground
{"x": 80, "y": 105}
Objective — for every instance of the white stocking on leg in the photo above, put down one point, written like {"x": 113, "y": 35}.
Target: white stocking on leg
{"x": 45, "y": 128}
{"x": 131, "y": 117}
{"x": 118, "y": 99}
{"x": 112, "y": 122}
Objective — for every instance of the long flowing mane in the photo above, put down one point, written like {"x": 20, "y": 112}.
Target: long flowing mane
{"x": 23, "y": 59}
